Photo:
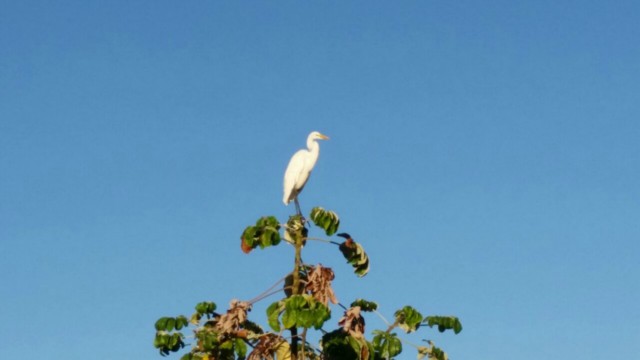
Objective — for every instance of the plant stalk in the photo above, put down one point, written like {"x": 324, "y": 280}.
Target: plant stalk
{"x": 296, "y": 291}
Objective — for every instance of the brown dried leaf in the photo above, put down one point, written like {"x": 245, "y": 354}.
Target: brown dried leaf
{"x": 244, "y": 246}
{"x": 266, "y": 347}
{"x": 364, "y": 349}
{"x": 319, "y": 285}
{"x": 230, "y": 322}
{"x": 353, "y": 323}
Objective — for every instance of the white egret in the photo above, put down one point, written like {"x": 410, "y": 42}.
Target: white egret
{"x": 299, "y": 169}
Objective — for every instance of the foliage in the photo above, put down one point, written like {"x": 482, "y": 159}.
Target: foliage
{"x": 339, "y": 345}
{"x": 408, "y": 319}
{"x": 387, "y": 344}
{"x": 355, "y": 255}
{"x": 296, "y": 230}
{"x": 264, "y": 233}
{"x": 306, "y": 305}
{"x": 444, "y": 323}
{"x": 327, "y": 220}
{"x": 299, "y": 311}
{"x": 365, "y": 305}
{"x": 431, "y": 352}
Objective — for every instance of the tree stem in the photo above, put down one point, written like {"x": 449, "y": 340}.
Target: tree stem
{"x": 296, "y": 291}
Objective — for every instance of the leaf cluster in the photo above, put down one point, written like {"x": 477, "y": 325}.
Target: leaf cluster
{"x": 387, "y": 345}
{"x": 168, "y": 338}
{"x": 214, "y": 338}
{"x": 295, "y": 230}
{"x": 308, "y": 292}
{"x": 431, "y": 352}
{"x": 325, "y": 219}
{"x": 206, "y": 308}
{"x": 297, "y": 311}
{"x": 339, "y": 345}
{"x": 408, "y": 319}
{"x": 170, "y": 324}
{"x": 355, "y": 255}
{"x": 264, "y": 233}
{"x": 365, "y": 305}
{"x": 344, "y": 344}
{"x": 211, "y": 345}
{"x": 444, "y": 323}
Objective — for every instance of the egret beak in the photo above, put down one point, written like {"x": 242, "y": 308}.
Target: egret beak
{"x": 323, "y": 137}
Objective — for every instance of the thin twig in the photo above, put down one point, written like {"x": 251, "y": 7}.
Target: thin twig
{"x": 342, "y": 306}
{"x": 266, "y": 295}
{"x": 324, "y": 240}
{"x": 410, "y": 343}
{"x": 262, "y": 295}
{"x": 304, "y": 342}
{"x": 382, "y": 317}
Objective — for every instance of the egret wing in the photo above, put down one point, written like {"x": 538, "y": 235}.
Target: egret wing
{"x": 292, "y": 176}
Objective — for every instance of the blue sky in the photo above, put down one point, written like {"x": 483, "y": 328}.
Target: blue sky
{"x": 486, "y": 155}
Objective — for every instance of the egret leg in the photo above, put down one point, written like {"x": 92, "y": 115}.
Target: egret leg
{"x": 298, "y": 211}
{"x": 297, "y": 206}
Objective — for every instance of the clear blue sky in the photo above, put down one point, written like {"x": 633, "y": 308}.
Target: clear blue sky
{"x": 486, "y": 154}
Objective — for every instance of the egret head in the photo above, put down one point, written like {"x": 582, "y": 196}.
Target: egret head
{"x": 315, "y": 135}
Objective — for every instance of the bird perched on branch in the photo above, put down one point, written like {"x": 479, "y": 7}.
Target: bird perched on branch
{"x": 299, "y": 169}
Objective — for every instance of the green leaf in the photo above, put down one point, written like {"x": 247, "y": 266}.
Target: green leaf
{"x": 438, "y": 353}
{"x": 248, "y": 236}
{"x": 159, "y": 340}
{"x": 408, "y": 319}
{"x": 270, "y": 236}
{"x": 356, "y": 256}
{"x": 304, "y": 311}
{"x": 187, "y": 356}
{"x": 273, "y": 313}
{"x": 201, "y": 308}
{"x": 163, "y": 342}
{"x": 170, "y": 325}
{"x": 240, "y": 348}
{"x": 161, "y": 324}
{"x": 386, "y": 345}
{"x": 268, "y": 221}
{"x": 444, "y": 323}
{"x": 206, "y": 307}
{"x": 289, "y": 318}
{"x": 176, "y": 342}
{"x": 195, "y": 318}
{"x": 431, "y": 351}
{"x": 361, "y": 347}
{"x": 306, "y": 318}
{"x": 211, "y": 307}
{"x": 365, "y": 305}
{"x": 325, "y": 219}
{"x": 336, "y": 346}
{"x": 264, "y": 233}
{"x": 252, "y": 327}
{"x": 166, "y": 342}
{"x": 208, "y": 339}
{"x": 227, "y": 345}
{"x": 295, "y": 230}
{"x": 181, "y": 322}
